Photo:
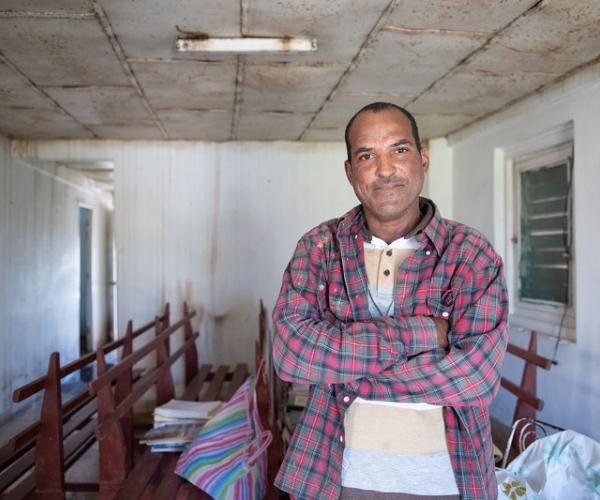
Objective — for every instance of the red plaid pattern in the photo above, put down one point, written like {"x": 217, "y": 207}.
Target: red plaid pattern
{"x": 324, "y": 336}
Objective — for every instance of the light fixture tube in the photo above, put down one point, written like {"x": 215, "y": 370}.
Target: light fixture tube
{"x": 264, "y": 45}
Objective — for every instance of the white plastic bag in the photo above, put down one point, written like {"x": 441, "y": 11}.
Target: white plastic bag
{"x": 565, "y": 466}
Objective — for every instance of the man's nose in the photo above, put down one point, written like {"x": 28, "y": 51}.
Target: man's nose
{"x": 385, "y": 166}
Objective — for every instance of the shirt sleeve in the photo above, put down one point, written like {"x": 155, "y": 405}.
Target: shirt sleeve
{"x": 469, "y": 372}
{"x": 310, "y": 348}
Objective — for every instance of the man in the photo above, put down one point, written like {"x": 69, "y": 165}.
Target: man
{"x": 397, "y": 319}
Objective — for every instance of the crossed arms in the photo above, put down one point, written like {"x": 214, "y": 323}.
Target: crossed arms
{"x": 416, "y": 358}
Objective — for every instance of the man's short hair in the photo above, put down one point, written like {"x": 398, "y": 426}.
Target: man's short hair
{"x": 376, "y": 107}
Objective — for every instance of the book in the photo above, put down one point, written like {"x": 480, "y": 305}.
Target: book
{"x": 162, "y": 421}
{"x": 166, "y": 448}
{"x": 177, "y": 423}
{"x": 187, "y": 409}
{"x": 171, "y": 434}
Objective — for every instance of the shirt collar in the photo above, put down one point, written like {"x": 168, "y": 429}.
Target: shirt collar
{"x": 431, "y": 225}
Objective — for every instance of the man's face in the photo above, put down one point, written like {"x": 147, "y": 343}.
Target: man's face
{"x": 385, "y": 169}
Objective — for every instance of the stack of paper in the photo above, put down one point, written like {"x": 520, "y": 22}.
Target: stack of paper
{"x": 177, "y": 409}
{"x": 171, "y": 437}
{"x": 177, "y": 423}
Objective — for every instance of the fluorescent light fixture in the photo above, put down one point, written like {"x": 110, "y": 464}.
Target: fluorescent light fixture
{"x": 264, "y": 45}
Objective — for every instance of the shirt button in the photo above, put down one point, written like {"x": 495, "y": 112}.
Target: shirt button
{"x": 389, "y": 253}
{"x": 427, "y": 252}
{"x": 445, "y": 314}
{"x": 341, "y": 439}
{"x": 386, "y": 272}
{"x": 346, "y": 399}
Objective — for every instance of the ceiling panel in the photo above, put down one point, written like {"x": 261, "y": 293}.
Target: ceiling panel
{"x": 34, "y": 123}
{"x": 476, "y": 94}
{"x": 271, "y": 126}
{"x": 324, "y": 134}
{"x": 196, "y": 125}
{"x": 14, "y": 92}
{"x": 146, "y": 131}
{"x": 47, "y": 5}
{"x": 340, "y": 27}
{"x": 409, "y": 63}
{"x": 438, "y": 124}
{"x": 188, "y": 84}
{"x": 97, "y": 105}
{"x": 555, "y": 38}
{"x": 61, "y": 52}
{"x": 110, "y": 68}
{"x": 288, "y": 87}
{"x": 338, "y": 112}
{"x": 483, "y": 15}
{"x": 149, "y": 28}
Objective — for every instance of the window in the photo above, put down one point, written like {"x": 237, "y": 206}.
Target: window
{"x": 542, "y": 253}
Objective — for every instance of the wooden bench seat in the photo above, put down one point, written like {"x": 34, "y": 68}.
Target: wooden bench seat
{"x": 37, "y": 458}
{"x": 152, "y": 476}
{"x": 528, "y": 402}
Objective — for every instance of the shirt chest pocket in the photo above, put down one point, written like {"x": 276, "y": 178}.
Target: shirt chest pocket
{"x": 440, "y": 302}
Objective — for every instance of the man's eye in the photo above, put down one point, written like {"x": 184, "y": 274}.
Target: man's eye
{"x": 400, "y": 150}
{"x": 366, "y": 156}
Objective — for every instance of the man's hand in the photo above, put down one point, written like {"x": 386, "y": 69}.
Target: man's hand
{"x": 443, "y": 327}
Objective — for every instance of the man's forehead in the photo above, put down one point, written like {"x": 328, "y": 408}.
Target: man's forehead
{"x": 391, "y": 116}
{"x": 395, "y": 129}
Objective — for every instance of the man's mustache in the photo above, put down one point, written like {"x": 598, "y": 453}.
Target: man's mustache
{"x": 392, "y": 179}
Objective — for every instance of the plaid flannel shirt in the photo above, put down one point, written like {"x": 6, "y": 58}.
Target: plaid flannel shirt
{"x": 455, "y": 275}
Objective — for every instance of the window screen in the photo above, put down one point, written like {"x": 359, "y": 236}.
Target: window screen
{"x": 545, "y": 225}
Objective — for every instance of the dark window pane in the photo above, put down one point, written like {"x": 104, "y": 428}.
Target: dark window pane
{"x": 544, "y": 228}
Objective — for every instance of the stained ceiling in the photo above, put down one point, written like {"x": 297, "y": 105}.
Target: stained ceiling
{"x": 108, "y": 69}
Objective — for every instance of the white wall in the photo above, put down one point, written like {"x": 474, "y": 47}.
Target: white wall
{"x": 438, "y": 182}
{"x": 39, "y": 255}
{"x": 571, "y": 389}
{"x": 5, "y": 353}
{"x": 214, "y": 224}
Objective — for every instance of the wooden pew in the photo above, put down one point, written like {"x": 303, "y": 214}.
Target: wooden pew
{"x": 36, "y": 459}
{"x": 152, "y": 476}
{"x": 267, "y": 400}
{"x": 528, "y": 403}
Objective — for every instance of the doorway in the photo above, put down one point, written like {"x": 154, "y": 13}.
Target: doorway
{"x": 85, "y": 280}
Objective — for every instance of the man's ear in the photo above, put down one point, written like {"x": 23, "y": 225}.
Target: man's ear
{"x": 425, "y": 159}
{"x": 348, "y": 169}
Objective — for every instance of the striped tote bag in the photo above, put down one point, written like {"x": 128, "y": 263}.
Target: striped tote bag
{"x": 228, "y": 458}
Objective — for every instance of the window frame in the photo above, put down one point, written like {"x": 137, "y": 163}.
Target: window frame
{"x": 534, "y": 314}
